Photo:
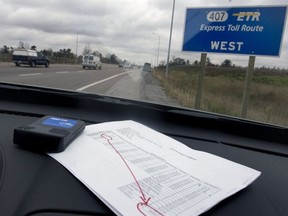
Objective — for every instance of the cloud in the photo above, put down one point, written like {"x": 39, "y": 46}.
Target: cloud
{"x": 123, "y": 27}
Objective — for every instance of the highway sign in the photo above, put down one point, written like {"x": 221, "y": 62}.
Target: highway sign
{"x": 241, "y": 30}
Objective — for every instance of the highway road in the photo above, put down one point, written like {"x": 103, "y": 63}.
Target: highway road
{"x": 71, "y": 77}
{"x": 110, "y": 80}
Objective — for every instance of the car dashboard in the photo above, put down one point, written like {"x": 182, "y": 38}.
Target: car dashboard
{"x": 34, "y": 184}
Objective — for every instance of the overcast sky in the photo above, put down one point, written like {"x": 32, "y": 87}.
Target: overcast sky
{"x": 129, "y": 28}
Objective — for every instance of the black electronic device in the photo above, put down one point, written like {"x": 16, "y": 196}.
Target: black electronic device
{"x": 48, "y": 134}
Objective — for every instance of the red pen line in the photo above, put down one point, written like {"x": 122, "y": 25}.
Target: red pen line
{"x": 108, "y": 138}
{"x": 143, "y": 198}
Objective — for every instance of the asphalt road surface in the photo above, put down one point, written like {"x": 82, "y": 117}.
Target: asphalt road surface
{"x": 110, "y": 80}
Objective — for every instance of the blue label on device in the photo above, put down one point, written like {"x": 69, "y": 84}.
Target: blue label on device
{"x": 59, "y": 122}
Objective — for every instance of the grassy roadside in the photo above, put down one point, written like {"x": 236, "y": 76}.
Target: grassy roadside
{"x": 223, "y": 91}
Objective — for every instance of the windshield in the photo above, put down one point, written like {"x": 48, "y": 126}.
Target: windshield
{"x": 227, "y": 57}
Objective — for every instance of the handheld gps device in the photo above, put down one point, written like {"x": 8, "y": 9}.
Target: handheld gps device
{"x": 48, "y": 134}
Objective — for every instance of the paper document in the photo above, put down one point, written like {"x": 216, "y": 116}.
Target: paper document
{"x": 138, "y": 171}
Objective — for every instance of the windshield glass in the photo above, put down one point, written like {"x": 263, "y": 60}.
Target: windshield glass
{"x": 227, "y": 57}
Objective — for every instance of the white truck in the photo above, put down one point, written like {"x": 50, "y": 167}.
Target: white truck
{"x": 91, "y": 61}
{"x": 29, "y": 57}
{"x": 147, "y": 67}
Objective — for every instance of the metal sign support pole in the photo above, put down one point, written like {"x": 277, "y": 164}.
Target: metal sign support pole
{"x": 200, "y": 81}
{"x": 170, "y": 37}
{"x": 247, "y": 87}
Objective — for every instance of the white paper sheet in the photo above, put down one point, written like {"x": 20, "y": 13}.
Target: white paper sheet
{"x": 137, "y": 171}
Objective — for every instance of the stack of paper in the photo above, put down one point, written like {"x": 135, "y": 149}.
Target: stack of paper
{"x": 137, "y": 171}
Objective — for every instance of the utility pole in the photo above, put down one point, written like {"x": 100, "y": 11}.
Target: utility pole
{"x": 169, "y": 46}
{"x": 157, "y": 48}
{"x": 76, "y": 48}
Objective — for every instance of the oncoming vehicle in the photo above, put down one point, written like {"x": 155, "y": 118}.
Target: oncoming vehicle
{"x": 29, "y": 57}
{"x": 91, "y": 61}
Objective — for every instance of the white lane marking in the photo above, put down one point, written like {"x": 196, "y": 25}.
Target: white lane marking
{"x": 62, "y": 72}
{"x": 32, "y": 74}
{"x": 95, "y": 83}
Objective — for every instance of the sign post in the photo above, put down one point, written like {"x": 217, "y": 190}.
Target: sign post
{"x": 253, "y": 31}
{"x": 249, "y": 76}
{"x": 200, "y": 81}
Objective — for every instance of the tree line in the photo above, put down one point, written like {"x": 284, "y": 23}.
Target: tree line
{"x": 180, "y": 61}
{"x": 61, "y": 56}
{"x": 67, "y": 56}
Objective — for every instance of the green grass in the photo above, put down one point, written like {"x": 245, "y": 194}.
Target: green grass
{"x": 223, "y": 91}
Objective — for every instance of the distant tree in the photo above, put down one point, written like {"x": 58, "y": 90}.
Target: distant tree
{"x": 64, "y": 53}
{"x": 87, "y": 50}
{"x": 226, "y": 63}
{"x": 48, "y": 52}
{"x": 106, "y": 58}
{"x": 208, "y": 61}
{"x": 33, "y": 47}
{"x": 196, "y": 63}
{"x": 178, "y": 61}
{"x": 5, "y": 49}
{"x": 113, "y": 59}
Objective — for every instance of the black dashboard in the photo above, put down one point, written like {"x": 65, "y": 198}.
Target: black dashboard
{"x": 34, "y": 184}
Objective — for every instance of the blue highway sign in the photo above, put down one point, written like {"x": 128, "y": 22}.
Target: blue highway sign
{"x": 241, "y": 30}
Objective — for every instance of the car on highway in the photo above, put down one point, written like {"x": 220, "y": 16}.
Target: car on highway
{"x": 91, "y": 61}
{"x": 29, "y": 57}
{"x": 147, "y": 67}
{"x": 128, "y": 65}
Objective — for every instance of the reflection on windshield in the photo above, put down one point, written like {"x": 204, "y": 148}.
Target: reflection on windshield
{"x": 131, "y": 40}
